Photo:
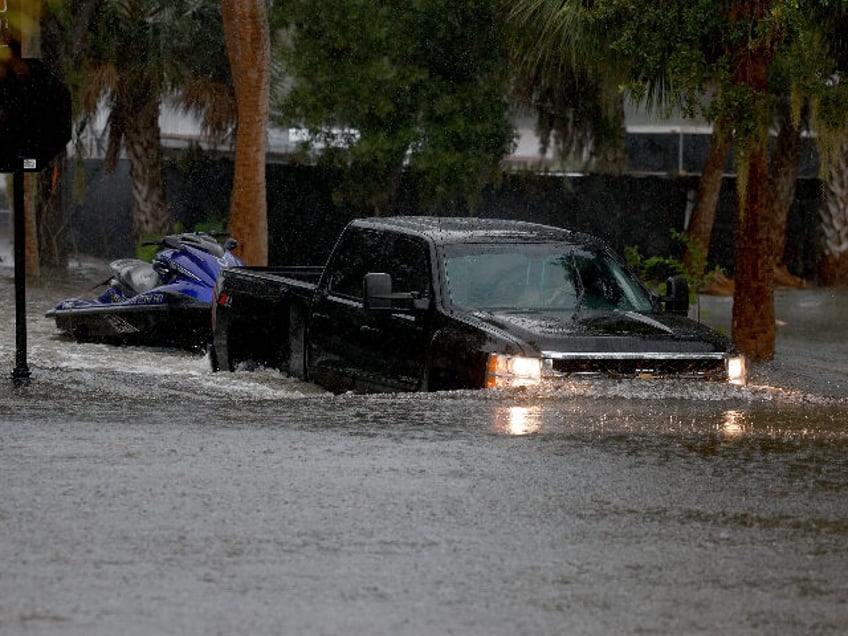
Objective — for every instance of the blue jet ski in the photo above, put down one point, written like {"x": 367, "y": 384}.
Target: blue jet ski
{"x": 164, "y": 303}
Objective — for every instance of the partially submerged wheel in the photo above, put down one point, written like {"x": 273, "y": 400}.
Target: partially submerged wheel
{"x": 213, "y": 357}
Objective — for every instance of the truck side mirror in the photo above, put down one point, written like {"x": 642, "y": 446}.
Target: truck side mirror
{"x": 377, "y": 289}
{"x": 676, "y": 297}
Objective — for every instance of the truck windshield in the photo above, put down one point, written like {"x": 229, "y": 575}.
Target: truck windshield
{"x": 554, "y": 277}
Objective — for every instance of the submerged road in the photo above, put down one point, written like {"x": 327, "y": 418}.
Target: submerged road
{"x": 142, "y": 494}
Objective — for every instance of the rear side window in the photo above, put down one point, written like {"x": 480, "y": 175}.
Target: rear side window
{"x": 356, "y": 252}
{"x": 361, "y": 251}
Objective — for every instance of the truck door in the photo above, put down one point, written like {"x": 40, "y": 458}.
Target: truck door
{"x": 351, "y": 349}
{"x": 400, "y": 338}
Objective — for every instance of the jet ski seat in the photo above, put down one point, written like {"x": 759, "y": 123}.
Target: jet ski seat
{"x": 134, "y": 276}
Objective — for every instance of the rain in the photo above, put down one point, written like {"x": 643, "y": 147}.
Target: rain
{"x": 142, "y": 493}
{"x": 145, "y": 494}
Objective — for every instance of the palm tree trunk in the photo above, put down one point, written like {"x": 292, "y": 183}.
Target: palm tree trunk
{"x": 248, "y": 47}
{"x": 833, "y": 269}
{"x": 52, "y": 221}
{"x": 753, "y": 326}
{"x": 143, "y": 144}
{"x": 784, "y": 178}
{"x": 709, "y": 187}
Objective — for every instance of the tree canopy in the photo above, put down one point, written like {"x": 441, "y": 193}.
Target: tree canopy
{"x": 392, "y": 86}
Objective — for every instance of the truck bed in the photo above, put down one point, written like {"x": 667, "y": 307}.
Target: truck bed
{"x": 287, "y": 274}
{"x": 259, "y": 313}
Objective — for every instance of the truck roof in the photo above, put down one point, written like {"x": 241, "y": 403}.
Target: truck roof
{"x": 451, "y": 230}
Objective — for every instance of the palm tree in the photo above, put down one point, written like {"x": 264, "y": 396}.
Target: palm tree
{"x": 574, "y": 95}
{"x": 833, "y": 269}
{"x": 248, "y": 47}
{"x": 139, "y": 52}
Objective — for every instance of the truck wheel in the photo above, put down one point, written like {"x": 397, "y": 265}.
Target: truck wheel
{"x": 213, "y": 357}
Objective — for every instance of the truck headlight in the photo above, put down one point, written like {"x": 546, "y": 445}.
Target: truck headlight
{"x": 509, "y": 371}
{"x": 736, "y": 370}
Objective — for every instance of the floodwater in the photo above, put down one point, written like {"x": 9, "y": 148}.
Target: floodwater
{"x": 142, "y": 494}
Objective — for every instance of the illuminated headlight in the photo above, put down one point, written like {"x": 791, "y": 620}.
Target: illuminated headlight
{"x": 736, "y": 370}
{"x": 507, "y": 371}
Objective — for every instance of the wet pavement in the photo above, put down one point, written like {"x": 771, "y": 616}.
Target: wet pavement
{"x": 143, "y": 494}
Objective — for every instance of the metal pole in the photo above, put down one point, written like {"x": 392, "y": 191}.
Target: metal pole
{"x": 20, "y": 376}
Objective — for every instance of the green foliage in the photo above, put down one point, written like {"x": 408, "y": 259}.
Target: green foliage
{"x": 387, "y": 87}
{"x": 147, "y": 252}
{"x": 165, "y": 43}
{"x": 654, "y": 269}
{"x": 211, "y": 226}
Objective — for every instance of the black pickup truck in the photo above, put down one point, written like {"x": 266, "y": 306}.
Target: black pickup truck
{"x": 427, "y": 303}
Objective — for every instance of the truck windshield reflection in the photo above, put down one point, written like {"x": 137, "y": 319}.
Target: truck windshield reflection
{"x": 543, "y": 276}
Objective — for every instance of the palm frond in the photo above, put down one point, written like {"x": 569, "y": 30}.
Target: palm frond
{"x": 101, "y": 81}
{"x": 214, "y": 102}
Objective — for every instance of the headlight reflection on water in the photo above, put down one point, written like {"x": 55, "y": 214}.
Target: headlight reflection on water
{"x": 518, "y": 420}
{"x": 733, "y": 424}
{"x": 653, "y": 417}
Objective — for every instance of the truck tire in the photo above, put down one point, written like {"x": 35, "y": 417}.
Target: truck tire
{"x": 213, "y": 357}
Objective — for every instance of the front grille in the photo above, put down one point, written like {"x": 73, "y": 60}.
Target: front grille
{"x": 709, "y": 367}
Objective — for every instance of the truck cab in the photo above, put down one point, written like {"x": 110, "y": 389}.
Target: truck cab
{"x": 367, "y": 337}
